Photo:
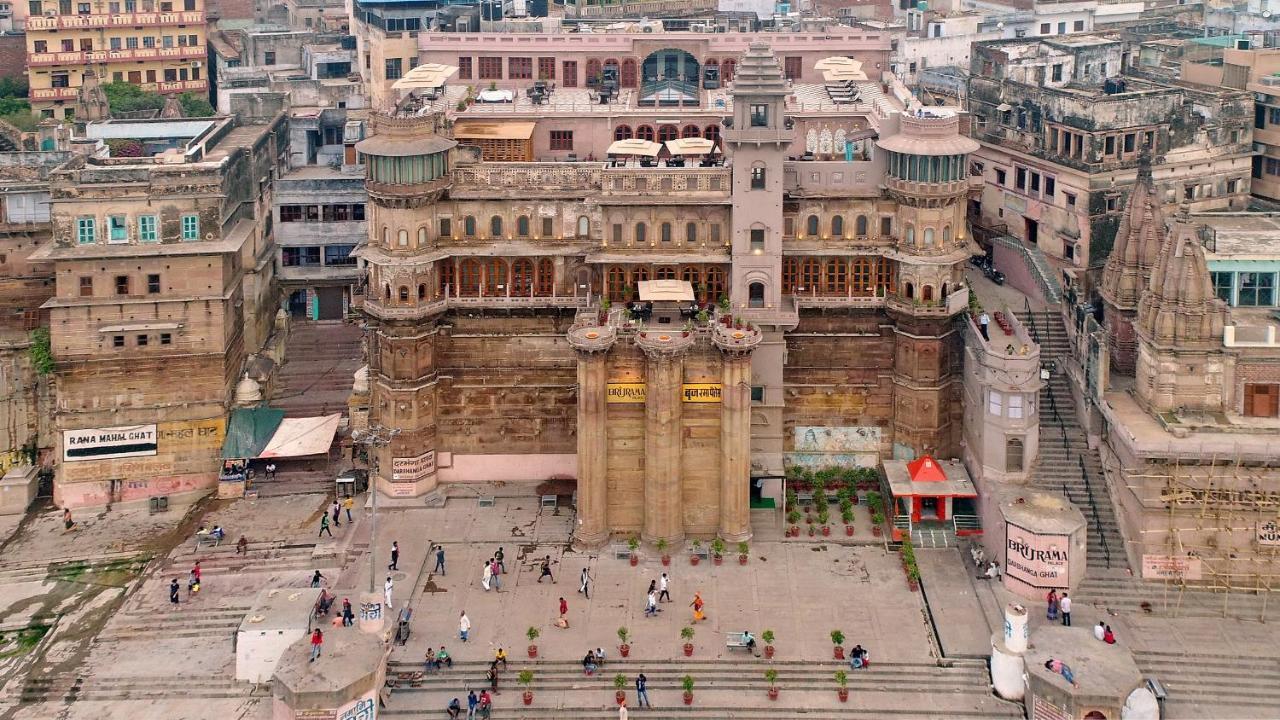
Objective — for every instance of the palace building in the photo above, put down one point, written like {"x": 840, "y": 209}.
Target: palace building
{"x": 670, "y": 336}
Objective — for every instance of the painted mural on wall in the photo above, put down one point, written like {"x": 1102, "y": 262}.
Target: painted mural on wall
{"x": 819, "y": 446}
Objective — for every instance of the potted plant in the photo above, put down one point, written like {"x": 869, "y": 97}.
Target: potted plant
{"x": 793, "y": 517}
{"x": 532, "y": 633}
{"x": 686, "y": 634}
{"x": 620, "y": 688}
{"x": 847, "y": 517}
{"x": 812, "y": 531}
{"x": 743, "y": 549}
{"x": 767, "y": 637}
{"x": 633, "y": 544}
{"x": 525, "y": 678}
{"x": 842, "y": 679}
{"x": 823, "y": 518}
{"x": 876, "y": 520}
{"x": 697, "y": 548}
{"x": 791, "y": 500}
{"x": 624, "y": 637}
{"x": 662, "y": 548}
{"x": 686, "y": 682}
{"x": 913, "y": 577}
{"x": 837, "y": 639}
{"x": 717, "y": 550}
{"x": 772, "y": 676}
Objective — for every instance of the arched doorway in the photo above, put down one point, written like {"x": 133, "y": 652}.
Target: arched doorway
{"x": 726, "y": 70}
{"x": 755, "y": 295}
{"x": 669, "y": 78}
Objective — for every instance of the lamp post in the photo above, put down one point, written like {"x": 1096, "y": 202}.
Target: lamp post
{"x": 376, "y": 436}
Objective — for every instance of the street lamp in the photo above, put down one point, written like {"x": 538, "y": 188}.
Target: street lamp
{"x": 376, "y": 436}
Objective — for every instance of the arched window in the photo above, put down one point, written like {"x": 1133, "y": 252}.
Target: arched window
{"x": 943, "y": 294}
{"x": 584, "y": 226}
{"x": 639, "y": 275}
{"x": 522, "y": 226}
{"x": 861, "y": 276}
{"x": 404, "y": 294}
{"x": 790, "y": 272}
{"x": 811, "y": 225}
{"x": 715, "y": 283}
{"x": 422, "y": 291}
{"x": 422, "y": 236}
{"x": 495, "y": 277}
{"x": 402, "y": 238}
{"x": 726, "y": 70}
{"x": 860, "y": 226}
{"x": 928, "y": 237}
{"x": 546, "y": 277}
{"x": 615, "y": 281}
{"x": 593, "y": 72}
{"x": 711, "y": 132}
{"x": 640, "y": 232}
{"x": 521, "y": 277}
{"x": 627, "y": 78}
{"x": 469, "y": 278}
{"x": 665, "y": 232}
{"x": 837, "y": 226}
{"x": 885, "y": 283}
{"x": 622, "y": 132}
{"x": 690, "y": 274}
{"x": 386, "y": 292}
{"x": 612, "y": 64}
{"x": 469, "y": 226}
{"x": 911, "y": 291}
{"x": 645, "y": 132}
{"x": 386, "y": 236}
{"x": 691, "y": 232}
{"x": 911, "y": 234}
{"x": 1013, "y": 455}
{"x": 495, "y": 226}
{"x": 810, "y": 273}
{"x": 664, "y": 272}
{"x": 666, "y": 133}
{"x": 755, "y": 295}
{"x": 926, "y": 293}
{"x": 946, "y": 234}
{"x": 835, "y": 277}
{"x": 445, "y": 276}
{"x": 690, "y": 131}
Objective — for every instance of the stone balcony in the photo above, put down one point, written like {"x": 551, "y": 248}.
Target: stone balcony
{"x": 378, "y": 308}
{"x": 592, "y": 338}
{"x": 735, "y": 341}
{"x": 928, "y": 190}
{"x": 668, "y": 342}
{"x": 954, "y": 303}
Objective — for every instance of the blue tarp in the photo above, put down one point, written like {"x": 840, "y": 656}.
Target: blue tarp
{"x": 249, "y": 431}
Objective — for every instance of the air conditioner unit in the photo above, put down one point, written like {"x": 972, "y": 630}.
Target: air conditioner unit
{"x": 50, "y": 13}
{"x": 197, "y": 64}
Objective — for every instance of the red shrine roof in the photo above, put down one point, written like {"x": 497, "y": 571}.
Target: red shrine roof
{"x": 926, "y": 469}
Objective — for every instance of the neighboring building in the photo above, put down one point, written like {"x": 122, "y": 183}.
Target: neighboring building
{"x": 304, "y": 68}
{"x": 158, "y": 45}
{"x": 164, "y": 289}
{"x": 492, "y": 351}
{"x": 386, "y": 33}
{"x": 319, "y": 221}
{"x": 1063, "y": 126}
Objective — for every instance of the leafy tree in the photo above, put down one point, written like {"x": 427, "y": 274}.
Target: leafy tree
{"x": 13, "y": 87}
{"x": 196, "y": 105}
{"x": 40, "y": 352}
{"x": 126, "y": 97}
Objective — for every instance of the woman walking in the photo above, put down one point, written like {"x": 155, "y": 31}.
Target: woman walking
{"x": 1052, "y": 602}
{"x": 697, "y": 606}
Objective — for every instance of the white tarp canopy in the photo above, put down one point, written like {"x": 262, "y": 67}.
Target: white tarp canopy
{"x": 299, "y": 437}
{"x": 666, "y": 290}
{"x": 843, "y": 74}
{"x": 691, "y": 146}
{"x": 634, "y": 146}
{"x": 837, "y": 61}
{"x": 431, "y": 75}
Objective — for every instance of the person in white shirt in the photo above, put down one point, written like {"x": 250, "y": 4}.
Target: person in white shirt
{"x": 386, "y": 590}
{"x": 1065, "y": 606}
{"x": 464, "y": 626}
{"x": 662, "y": 588}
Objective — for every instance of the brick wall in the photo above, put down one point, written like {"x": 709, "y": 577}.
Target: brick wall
{"x": 13, "y": 55}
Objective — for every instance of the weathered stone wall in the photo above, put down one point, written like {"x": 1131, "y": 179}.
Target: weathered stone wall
{"x": 625, "y": 437}
{"x": 700, "y": 449}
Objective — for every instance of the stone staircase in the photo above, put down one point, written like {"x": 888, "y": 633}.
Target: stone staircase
{"x": 1203, "y": 685}
{"x": 320, "y": 359}
{"x": 722, "y": 688}
{"x": 79, "y": 688}
{"x": 1042, "y": 272}
{"x": 1064, "y": 450}
{"x": 151, "y": 624}
{"x": 65, "y": 567}
{"x": 261, "y": 557}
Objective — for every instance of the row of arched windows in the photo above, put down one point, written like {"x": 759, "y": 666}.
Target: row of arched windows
{"x": 927, "y": 236}
{"x": 859, "y": 276}
{"x": 525, "y": 227}
{"x": 521, "y": 277}
{"x": 665, "y": 132}
{"x": 709, "y": 282}
{"x": 628, "y": 75}
{"x": 838, "y": 227}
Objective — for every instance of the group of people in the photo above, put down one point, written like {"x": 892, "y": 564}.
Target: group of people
{"x": 659, "y": 591}
{"x": 193, "y": 584}
{"x": 593, "y": 661}
{"x": 1058, "y": 605}
{"x": 436, "y": 660}
{"x": 478, "y": 706}
{"x": 335, "y": 512}
{"x": 494, "y": 568}
{"x": 1103, "y": 632}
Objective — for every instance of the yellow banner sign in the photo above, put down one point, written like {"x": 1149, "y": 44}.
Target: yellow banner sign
{"x": 624, "y": 393}
{"x": 689, "y": 392}
{"x": 701, "y": 392}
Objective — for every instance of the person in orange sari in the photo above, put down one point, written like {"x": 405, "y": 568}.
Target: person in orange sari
{"x": 697, "y": 605}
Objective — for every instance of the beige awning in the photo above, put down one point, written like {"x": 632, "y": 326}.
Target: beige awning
{"x": 665, "y": 290}
{"x": 634, "y": 146}
{"x": 431, "y": 75}
{"x": 493, "y": 130}
{"x": 837, "y": 61}
{"x": 300, "y": 437}
{"x": 844, "y": 74}
{"x": 691, "y": 146}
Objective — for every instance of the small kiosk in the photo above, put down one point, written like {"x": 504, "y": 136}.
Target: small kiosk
{"x": 929, "y": 492}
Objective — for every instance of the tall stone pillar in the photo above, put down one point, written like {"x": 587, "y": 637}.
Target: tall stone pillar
{"x": 592, "y": 344}
{"x": 663, "y": 516}
{"x": 735, "y": 430}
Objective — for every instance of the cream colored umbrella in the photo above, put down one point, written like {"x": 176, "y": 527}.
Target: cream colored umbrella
{"x": 691, "y": 146}
{"x": 838, "y": 61}
{"x": 634, "y": 146}
{"x": 833, "y": 75}
{"x": 430, "y": 75}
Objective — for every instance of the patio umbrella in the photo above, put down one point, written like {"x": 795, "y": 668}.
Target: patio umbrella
{"x": 634, "y": 146}
{"x": 691, "y": 146}
{"x": 430, "y": 75}
{"x": 838, "y": 61}
{"x": 839, "y": 74}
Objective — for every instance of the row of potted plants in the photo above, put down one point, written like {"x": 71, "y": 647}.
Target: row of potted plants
{"x": 909, "y": 566}
{"x": 717, "y": 551}
{"x": 831, "y": 477}
{"x": 842, "y": 681}
{"x": 846, "y": 498}
{"x": 624, "y": 641}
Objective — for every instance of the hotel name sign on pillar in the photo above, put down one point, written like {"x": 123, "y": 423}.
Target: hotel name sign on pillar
{"x": 623, "y": 393}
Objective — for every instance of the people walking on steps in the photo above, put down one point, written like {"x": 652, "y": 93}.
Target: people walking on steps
{"x": 584, "y": 583}
{"x": 348, "y": 617}
{"x": 642, "y": 691}
{"x": 317, "y": 639}
{"x": 386, "y": 590}
{"x": 336, "y": 509}
{"x": 500, "y": 557}
{"x": 546, "y": 570}
{"x": 697, "y": 606}
{"x": 495, "y": 570}
{"x": 439, "y": 560}
{"x": 395, "y": 556}
{"x": 324, "y": 526}
{"x": 316, "y": 578}
{"x": 486, "y": 575}
{"x": 173, "y": 592}
{"x": 663, "y": 588}
{"x": 347, "y": 503}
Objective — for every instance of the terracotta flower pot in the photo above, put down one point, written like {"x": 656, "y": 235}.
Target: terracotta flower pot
{"x": 666, "y": 559}
{"x": 812, "y": 531}
{"x": 742, "y": 559}
{"x": 795, "y": 531}
{"x": 826, "y": 530}
{"x": 773, "y": 693}
{"x": 533, "y": 651}
{"x": 528, "y": 697}
{"x": 768, "y": 652}
{"x": 838, "y": 652}
{"x": 688, "y": 698}
{"x": 719, "y": 560}
{"x": 808, "y": 520}
{"x": 848, "y": 530}
{"x": 688, "y": 649}
{"x": 875, "y": 530}
{"x": 694, "y": 559}
{"x": 634, "y": 561}
{"x": 620, "y": 696}
{"x": 844, "y": 694}
{"x": 624, "y": 650}
{"x": 912, "y": 585}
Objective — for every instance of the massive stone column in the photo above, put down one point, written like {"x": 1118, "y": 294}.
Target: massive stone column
{"x": 592, "y": 344}
{"x": 664, "y": 371}
{"x": 735, "y": 430}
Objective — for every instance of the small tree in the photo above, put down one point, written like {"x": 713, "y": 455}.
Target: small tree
{"x": 837, "y": 637}
{"x": 624, "y": 635}
{"x": 686, "y": 682}
{"x": 661, "y": 545}
{"x": 767, "y": 637}
{"x": 842, "y": 678}
{"x": 525, "y": 678}
{"x": 772, "y": 676}
{"x": 633, "y": 543}
{"x": 532, "y": 633}
{"x": 40, "y": 352}
{"x": 717, "y": 547}
{"x": 743, "y": 548}
{"x": 619, "y": 682}
{"x": 793, "y": 517}
{"x": 686, "y": 633}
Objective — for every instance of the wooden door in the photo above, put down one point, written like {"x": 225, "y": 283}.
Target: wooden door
{"x": 1261, "y": 400}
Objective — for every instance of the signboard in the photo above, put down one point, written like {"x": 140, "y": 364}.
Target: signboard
{"x": 700, "y": 392}
{"x": 624, "y": 393}
{"x": 1170, "y": 567}
{"x": 1268, "y": 533}
{"x": 413, "y": 469}
{"x": 1037, "y": 560}
{"x": 362, "y": 708}
{"x": 106, "y": 443}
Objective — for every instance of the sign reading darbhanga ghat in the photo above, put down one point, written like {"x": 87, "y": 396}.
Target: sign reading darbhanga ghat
{"x": 689, "y": 392}
{"x": 1037, "y": 560}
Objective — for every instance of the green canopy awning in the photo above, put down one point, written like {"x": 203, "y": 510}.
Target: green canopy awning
{"x": 249, "y": 431}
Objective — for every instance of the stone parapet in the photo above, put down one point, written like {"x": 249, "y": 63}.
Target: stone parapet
{"x": 591, "y": 340}
{"x": 733, "y": 341}
{"x": 665, "y": 343}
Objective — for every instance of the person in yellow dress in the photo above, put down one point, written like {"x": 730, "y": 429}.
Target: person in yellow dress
{"x": 697, "y": 605}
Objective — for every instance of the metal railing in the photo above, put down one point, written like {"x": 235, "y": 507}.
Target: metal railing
{"x": 1093, "y": 505}
{"x": 966, "y": 522}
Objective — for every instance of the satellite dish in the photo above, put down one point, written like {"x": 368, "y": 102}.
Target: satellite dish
{"x": 1000, "y": 25}
{"x": 1266, "y": 13}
